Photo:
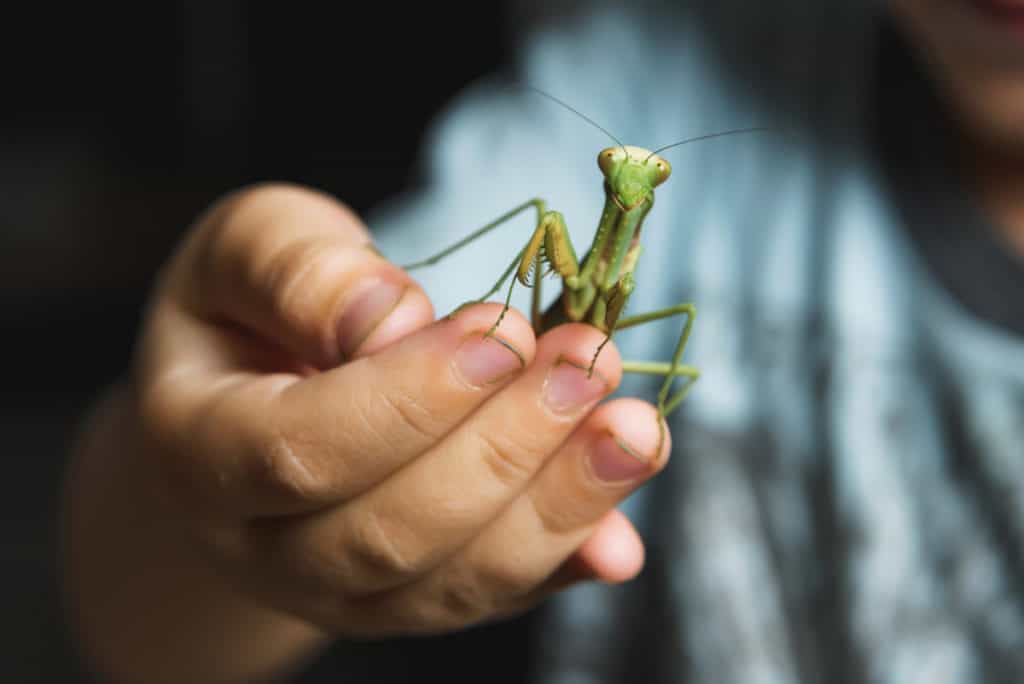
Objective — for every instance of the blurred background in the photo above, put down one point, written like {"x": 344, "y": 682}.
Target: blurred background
{"x": 116, "y": 129}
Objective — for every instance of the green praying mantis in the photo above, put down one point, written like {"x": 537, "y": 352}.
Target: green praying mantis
{"x": 597, "y": 290}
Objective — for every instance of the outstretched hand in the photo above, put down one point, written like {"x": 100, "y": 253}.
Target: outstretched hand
{"x": 338, "y": 454}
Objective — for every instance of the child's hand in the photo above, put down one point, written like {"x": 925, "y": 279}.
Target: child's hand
{"x": 338, "y": 455}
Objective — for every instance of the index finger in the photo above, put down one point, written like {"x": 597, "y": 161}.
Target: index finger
{"x": 255, "y": 445}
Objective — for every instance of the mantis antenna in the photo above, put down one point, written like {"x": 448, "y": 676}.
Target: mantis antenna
{"x": 581, "y": 115}
{"x": 619, "y": 142}
{"x": 705, "y": 137}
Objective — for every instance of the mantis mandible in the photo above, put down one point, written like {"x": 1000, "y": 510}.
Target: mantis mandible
{"x": 597, "y": 290}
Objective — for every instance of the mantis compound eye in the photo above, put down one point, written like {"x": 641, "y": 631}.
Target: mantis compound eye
{"x": 662, "y": 170}
{"x": 607, "y": 158}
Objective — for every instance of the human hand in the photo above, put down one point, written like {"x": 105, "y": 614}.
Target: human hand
{"x": 337, "y": 454}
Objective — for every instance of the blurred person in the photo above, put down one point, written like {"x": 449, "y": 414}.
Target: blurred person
{"x": 305, "y": 456}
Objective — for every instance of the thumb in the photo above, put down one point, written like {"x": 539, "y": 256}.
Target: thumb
{"x": 297, "y": 268}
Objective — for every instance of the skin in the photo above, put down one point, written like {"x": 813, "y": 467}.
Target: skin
{"x": 976, "y": 57}
{"x": 247, "y": 489}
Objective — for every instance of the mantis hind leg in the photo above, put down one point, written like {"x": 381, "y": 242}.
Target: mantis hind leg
{"x": 672, "y": 370}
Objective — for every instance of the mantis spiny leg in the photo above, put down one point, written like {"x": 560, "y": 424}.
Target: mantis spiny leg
{"x": 538, "y": 204}
{"x": 670, "y": 370}
{"x": 607, "y": 315}
{"x": 549, "y": 244}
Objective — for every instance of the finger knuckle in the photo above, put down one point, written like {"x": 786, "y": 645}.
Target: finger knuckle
{"x": 458, "y": 606}
{"x": 511, "y": 464}
{"x": 283, "y": 468}
{"x": 294, "y": 277}
{"x": 238, "y": 229}
{"x": 228, "y": 226}
{"x": 463, "y": 599}
{"x": 255, "y": 199}
{"x": 383, "y": 550}
{"x": 485, "y": 588}
{"x": 557, "y": 517}
{"x": 506, "y": 576}
{"x": 408, "y": 418}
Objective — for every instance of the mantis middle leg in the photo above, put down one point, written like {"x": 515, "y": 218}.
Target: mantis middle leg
{"x": 608, "y": 314}
{"x": 670, "y": 370}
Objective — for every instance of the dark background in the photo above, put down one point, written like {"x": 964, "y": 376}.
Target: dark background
{"x": 117, "y": 127}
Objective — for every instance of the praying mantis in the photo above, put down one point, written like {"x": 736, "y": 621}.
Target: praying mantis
{"x": 597, "y": 290}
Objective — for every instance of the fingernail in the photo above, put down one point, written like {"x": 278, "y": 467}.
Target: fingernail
{"x": 612, "y": 460}
{"x": 568, "y": 387}
{"x": 483, "y": 360}
{"x": 366, "y": 310}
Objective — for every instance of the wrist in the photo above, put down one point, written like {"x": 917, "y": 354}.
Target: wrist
{"x": 142, "y": 601}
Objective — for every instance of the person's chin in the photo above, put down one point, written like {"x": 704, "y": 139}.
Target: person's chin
{"x": 976, "y": 50}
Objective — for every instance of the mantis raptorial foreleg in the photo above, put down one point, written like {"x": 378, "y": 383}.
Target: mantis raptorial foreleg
{"x": 550, "y": 244}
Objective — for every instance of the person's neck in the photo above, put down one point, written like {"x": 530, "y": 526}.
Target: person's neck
{"x": 999, "y": 178}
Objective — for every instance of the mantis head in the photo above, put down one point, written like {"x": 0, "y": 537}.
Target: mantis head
{"x": 632, "y": 173}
